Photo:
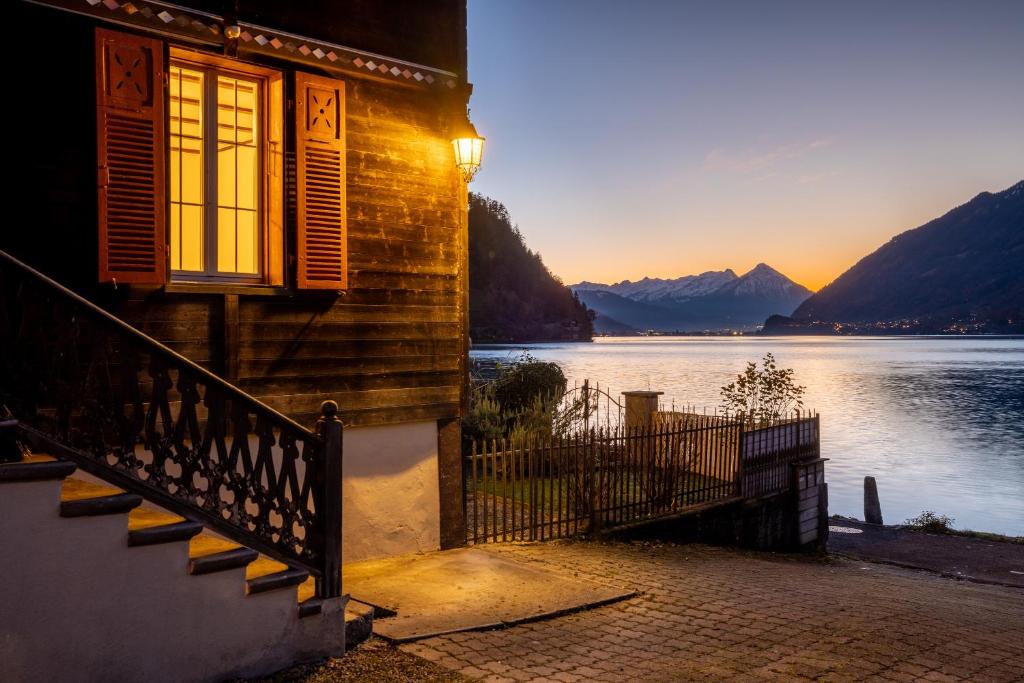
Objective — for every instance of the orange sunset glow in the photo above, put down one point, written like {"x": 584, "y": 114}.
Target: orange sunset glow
{"x": 712, "y": 137}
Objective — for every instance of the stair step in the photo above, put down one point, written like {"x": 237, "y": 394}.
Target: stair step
{"x": 358, "y": 623}
{"x": 264, "y": 567}
{"x": 168, "y": 533}
{"x": 147, "y": 526}
{"x": 307, "y": 590}
{"x": 310, "y": 608}
{"x": 222, "y": 561}
{"x": 36, "y": 468}
{"x": 84, "y": 499}
{"x": 290, "y": 576}
{"x": 208, "y": 552}
{"x": 309, "y": 604}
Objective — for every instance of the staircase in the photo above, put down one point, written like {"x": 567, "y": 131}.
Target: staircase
{"x": 157, "y": 523}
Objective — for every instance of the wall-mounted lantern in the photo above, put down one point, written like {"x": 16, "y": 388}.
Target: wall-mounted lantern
{"x": 469, "y": 149}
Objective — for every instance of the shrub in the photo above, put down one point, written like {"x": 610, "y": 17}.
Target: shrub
{"x": 763, "y": 395}
{"x": 520, "y": 384}
{"x": 931, "y": 523}
{"x": 521, "y": 400}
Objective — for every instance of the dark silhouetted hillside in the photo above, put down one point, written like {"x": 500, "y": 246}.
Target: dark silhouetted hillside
{"x": 513, "y": 297}
{"x": 968, "y": 264}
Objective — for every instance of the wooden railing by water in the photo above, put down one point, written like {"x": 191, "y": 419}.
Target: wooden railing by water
{"x": 135, "y": 413}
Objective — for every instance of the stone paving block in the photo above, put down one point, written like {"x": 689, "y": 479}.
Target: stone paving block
{"x": 720, "y": 614}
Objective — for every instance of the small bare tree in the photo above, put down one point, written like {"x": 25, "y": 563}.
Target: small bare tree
{"x": 763, "y": 395}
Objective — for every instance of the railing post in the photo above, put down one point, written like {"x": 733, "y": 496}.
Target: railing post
{"x": 328, "y": 426}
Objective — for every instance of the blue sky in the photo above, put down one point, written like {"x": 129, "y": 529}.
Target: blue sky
{"x": 668, "y": 138}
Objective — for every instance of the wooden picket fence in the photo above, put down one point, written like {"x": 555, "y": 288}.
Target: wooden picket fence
{"x": 538, "y": 487}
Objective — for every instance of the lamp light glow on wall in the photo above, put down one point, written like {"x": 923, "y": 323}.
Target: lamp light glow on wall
{"x": 469, "y": 149}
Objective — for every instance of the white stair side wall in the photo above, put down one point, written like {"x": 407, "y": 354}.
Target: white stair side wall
{"x": 78, "y": 604}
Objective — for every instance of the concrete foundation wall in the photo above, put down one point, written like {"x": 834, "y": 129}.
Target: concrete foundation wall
{"x": 777, "y": 523}
{"x": 390, "y": 500}
{"x": 78, "y": 604}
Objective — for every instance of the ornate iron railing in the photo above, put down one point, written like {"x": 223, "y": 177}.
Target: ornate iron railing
{"x": 135, "y": 413}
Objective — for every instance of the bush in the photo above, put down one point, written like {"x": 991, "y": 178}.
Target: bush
{"x": 763, "y": 395}
{"x": 522, "y": 400}
{"x": 931, "y": 523}
{"x": 521, "y": 384}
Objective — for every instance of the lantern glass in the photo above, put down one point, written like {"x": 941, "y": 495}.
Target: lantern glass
{"x": 469, "y": 152}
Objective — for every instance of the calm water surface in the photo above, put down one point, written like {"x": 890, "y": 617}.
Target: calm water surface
{"x": 938, "y": 421}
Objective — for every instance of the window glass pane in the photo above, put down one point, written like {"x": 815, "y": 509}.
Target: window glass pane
{"x": 225, "y": 174}
{"x": 175, "y": 237}
{"x": 226, "y": 241}
{"x": 186, "y": 168}
{"x": 238, "y": 174}
{"x": 248, "y": 165}
{"x": 192, "y": 237}
{"x": 248, "y": 242}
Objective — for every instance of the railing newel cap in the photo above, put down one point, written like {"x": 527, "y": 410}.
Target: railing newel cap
{"x": 329, "y": 411}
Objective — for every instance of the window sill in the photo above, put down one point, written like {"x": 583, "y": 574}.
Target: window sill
{"x": 226, "y": 288}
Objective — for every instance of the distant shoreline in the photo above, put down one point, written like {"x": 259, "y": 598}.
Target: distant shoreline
{"x": 475, "y": 345}
{"x": 752, "y": 336}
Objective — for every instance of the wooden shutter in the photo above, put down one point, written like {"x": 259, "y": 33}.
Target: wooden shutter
{"x": 130, "y": 157}
{"x": 320, "y": 182}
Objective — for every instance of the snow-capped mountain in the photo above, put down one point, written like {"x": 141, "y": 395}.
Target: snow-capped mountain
{"x": 764, "y": 281}
{"x": 654, "y": 289}
{"x": 717, "y": 299}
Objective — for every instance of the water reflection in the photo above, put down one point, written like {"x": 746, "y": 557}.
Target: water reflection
{"x": 939, "y": 421}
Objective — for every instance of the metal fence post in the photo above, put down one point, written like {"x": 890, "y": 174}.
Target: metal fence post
{"x": 594, "y": 464}
{"x": 741, "y": 441}
{"x": 330, "y": 430}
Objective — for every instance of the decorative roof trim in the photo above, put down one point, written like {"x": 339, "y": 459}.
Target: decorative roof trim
{"x": 201, "y": 27}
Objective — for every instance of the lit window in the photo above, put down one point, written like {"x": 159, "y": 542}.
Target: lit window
{"x": 216, "y": 157}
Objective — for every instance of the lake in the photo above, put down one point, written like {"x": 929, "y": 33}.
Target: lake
{"x": 939, "y": 421}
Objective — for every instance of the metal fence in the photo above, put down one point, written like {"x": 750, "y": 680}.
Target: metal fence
{"x": 537, "y": 487}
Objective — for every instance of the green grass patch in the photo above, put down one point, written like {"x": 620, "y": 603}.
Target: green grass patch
{"x": 559, "y": 493}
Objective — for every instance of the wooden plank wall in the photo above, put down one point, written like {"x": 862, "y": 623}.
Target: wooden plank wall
{"x": 390, "y": 348}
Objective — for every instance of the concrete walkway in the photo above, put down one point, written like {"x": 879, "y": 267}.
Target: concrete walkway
{"x": 719, "y": 614}
{"x": 961, "y": 557}
{"x": 468, "y": 588}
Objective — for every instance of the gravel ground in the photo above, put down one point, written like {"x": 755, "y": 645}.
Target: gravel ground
{"x": 374, "y": 661}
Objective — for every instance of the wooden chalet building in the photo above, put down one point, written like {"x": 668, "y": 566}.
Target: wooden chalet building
{"x": 268, "y": 190}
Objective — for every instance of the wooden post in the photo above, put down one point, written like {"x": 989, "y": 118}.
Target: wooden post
{"x": 823, "y": 517}
{"x": 872, "y": 506}
{"x": 329, "y": 428}
{"x": 232, "y": 334}
{"x": 451, "y": 484}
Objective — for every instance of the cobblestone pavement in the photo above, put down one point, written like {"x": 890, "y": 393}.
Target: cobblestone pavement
{"x": 721, "y": 614}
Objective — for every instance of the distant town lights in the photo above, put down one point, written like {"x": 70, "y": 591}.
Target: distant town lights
{"x": 469, "y": 149}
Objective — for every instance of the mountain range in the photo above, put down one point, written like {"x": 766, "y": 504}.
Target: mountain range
{"x": 714, "y": 300}
{"x": 962, "y": 272}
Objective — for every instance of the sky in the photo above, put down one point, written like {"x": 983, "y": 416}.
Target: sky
{"x": 662, "y": 139}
